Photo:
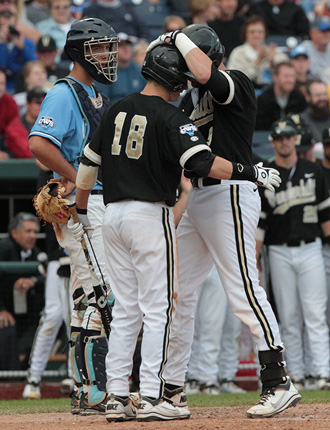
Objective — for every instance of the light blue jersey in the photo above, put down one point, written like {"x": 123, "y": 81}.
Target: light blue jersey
{"x": 60, "y": 120}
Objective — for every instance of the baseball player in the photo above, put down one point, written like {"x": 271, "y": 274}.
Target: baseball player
{"x": 220, "y": 222}
{"x": 142, "y": 144}
{"x": 292, "y": 222}
{"x": 68, "y": 118}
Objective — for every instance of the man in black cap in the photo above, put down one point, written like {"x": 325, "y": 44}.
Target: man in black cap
{"x": 34, "y": 98}
{"x": 292, "y": 222}
{"x": 47, "y": 52}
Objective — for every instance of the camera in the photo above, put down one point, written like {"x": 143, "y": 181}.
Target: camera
{"x": 13, "y": 31}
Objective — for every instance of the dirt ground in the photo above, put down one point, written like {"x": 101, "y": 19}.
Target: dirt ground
{"x": 315, "y": 416}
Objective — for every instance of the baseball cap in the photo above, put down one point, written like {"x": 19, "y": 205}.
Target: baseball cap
{"x": 323, "y": 26}
{"x": 305, "y": 140}
{"x": 326, "y": 135}
{"x": 35, "y": 93}
{"x": 299, "y": 50}
{"x": 282, "y": 127}
{"x": 46, "y": 44}
{"x": 125, "y": 37}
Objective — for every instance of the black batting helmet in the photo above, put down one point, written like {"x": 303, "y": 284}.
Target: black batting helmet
{"x": 166, "y": 65}
{"x": 207, "y": 40}
{"x": 84, "y": 39}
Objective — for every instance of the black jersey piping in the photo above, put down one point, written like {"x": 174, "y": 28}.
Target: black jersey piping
{"x": 242, "y": 261}
{"x": 170, "y": 259}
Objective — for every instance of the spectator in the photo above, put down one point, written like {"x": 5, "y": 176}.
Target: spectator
{"x": 254, "y": 57}
{"x": 318, "y": 49}
{"x": 13, "y": 136}
{"x": 152, "y": 14}
{"x": 129, "y": 78}
{"x": 279, "y": 99}
{"x": 23, "y": 25}
{"x": 21, "y": 296}
{"x": 37, "y": 10}
{"x": 322, "y": 8}
{"x": 34, "y": 75}
{"x": 34, "y": 99}
{"x": 15, "y": 49}
{"x": 317, "y": 114}
{"x": 139, "y": 51}
{"x": 282, "y": 17}
{"x": 59, "y": 23}
{"x": 300, "y": 61}
{"x": 291, "y": 223}
{"x": 120, "y": 15}
{"x": 173, "y": 22}
{"x": 228, "y": 25}
{"x": 47, "y": 52}
{"x": 202, "y": 11}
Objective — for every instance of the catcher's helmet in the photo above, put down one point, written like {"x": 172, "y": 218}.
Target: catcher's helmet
{"x": 207, "y": 40}
{"x": 166, "y": 65}
{"x": 87, "y": 43}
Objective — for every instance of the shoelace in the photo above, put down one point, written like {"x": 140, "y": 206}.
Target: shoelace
{"x": 265, "y": 395}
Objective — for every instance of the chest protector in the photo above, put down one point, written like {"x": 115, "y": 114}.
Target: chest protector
{"x": 91, "y": 110}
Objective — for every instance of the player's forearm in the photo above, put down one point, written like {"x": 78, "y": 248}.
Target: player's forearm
{"x": 198, "y": 63}
{"x": 325, "y": 226}
{"x": 48, "y": 154}
{"x": 221, "y": 169}
{"x": 82, "y": 198}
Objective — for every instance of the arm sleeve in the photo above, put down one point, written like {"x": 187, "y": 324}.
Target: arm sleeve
{"x": 200, "y": 163}
{"x": 221, "y": 86}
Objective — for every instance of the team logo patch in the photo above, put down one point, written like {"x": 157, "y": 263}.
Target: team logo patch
{"x": 188, "y": 129}
{"x": 46, "y": 121}
{"x": 194, "y": 138}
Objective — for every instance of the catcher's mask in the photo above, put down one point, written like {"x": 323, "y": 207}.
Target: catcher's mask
{"x": 94, "y": 45}
{"x": 166, "y": 65}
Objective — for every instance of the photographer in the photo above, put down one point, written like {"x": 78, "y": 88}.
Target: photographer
{"x": 15, "y": 50}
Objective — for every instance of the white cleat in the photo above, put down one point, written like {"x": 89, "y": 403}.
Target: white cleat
{"x": 32, "y": 390}
{"x": 120, "y": 409}
{"x": 159, "y": 410}
{"x": 322, "y": 383}
{"x": 275, "y": 400}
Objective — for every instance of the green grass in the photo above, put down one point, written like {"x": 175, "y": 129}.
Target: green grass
{"x": 198, "y": 400}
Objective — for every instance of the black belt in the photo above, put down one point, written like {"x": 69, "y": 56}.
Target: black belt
{"x": 292, "y": 243}
{"x": 99, "y": 192}
{"x": 205, "y": 182}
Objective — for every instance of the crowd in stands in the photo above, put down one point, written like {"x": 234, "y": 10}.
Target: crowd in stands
{"x": 283, "y": 46}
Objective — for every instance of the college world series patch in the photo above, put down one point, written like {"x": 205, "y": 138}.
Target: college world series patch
{"x": 188, "y": 129}
{"x": 46, "y": 121}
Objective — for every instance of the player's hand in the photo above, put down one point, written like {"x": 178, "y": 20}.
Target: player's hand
{"x": 78, "y": 229}
{"x": 6, "y": 319}
{"x": 69, "y": 186}
{"x": 163, "y": 38}
{"x": 267, "y": 177}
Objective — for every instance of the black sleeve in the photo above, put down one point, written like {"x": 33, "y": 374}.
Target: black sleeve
{"x": 200, "y": 164}
{"x": 218, "y": 85}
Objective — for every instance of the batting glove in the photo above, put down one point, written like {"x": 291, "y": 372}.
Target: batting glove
{"x": 162, "y": 39}
{"x": 267, "y": 177}
{"x": 79, "y": 228}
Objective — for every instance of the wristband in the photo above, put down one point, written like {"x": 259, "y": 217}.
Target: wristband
{"x": 81, "y": 211}
{"x": 243, "y": 173}
{"x": 184, "y": 44}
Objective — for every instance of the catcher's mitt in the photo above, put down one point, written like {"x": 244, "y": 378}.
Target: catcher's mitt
{"x": 49, "y": 204}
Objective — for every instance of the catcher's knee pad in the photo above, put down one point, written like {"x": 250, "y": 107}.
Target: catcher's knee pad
{"x": 76, "y": 359}
{"x": 96, "y": 349}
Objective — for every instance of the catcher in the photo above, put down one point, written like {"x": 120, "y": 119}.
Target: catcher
{"x": 68, "y": 118}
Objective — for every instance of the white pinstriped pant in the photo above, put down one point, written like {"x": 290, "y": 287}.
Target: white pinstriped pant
{"x": 140, "y": 252}
{"x": 219, "y": 226}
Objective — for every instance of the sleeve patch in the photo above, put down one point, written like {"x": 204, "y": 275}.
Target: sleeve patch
{"x": 46, "y": 121}
{"x": 188, "y": 129}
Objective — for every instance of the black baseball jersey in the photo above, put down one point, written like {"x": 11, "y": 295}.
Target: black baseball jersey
{"x": 298, "y": 207}
{"x": 224, "y": 110}
{"x": 143, "y": 143}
